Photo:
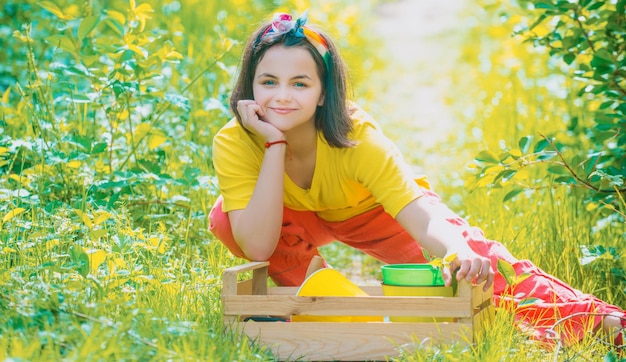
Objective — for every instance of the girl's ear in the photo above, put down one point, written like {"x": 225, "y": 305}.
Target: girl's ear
{"x": 321, "y": 101}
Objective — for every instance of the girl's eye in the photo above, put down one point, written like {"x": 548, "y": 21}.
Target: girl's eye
{"x": 299, "y": 85}
{"x": 268, "y": 82}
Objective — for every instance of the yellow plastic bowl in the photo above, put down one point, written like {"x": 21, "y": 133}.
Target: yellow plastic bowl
{"x": 432, "y": 291}
{"x": 331, "y": 283}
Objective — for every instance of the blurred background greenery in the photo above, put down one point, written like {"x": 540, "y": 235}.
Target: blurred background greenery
{"x": 107, "y": 112}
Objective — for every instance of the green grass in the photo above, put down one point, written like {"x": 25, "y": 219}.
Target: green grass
{"x": 105, "y": 253}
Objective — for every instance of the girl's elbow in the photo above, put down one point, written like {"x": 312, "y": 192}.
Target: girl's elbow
{"x": 258, "y": 255}
{"x": 257, "y": 249}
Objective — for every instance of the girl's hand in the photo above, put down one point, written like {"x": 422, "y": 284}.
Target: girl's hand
{"x": 251, "y": 118}
{"x": 471, "y": 267}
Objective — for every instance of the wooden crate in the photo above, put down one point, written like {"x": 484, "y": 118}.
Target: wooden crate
{"x": 472, "y": 310}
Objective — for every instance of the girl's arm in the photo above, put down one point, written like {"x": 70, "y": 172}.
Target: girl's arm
{"x": 256, "y": 228}
{"x": 430, "y": 228}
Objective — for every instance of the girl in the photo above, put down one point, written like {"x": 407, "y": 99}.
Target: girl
{"x": 300, "y": 167}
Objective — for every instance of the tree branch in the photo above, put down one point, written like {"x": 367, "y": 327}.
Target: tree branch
{"x": 586, "y": 183}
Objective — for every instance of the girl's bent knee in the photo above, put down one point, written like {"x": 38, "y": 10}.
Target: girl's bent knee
{"x": 219, "y": 225}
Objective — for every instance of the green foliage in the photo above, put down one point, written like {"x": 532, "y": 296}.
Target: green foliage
{"x": 587, "y": 41}
{"x": 557, "y": 136}
{"x": 106, "y": 182}
{"x": 107, "y": 112}
{"x": 507, "y": 93}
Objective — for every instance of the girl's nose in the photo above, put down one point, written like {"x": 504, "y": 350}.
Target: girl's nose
{"x": 283, "y": 94}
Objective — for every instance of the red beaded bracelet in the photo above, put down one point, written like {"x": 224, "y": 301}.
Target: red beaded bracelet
{"x": 270, "y": 144}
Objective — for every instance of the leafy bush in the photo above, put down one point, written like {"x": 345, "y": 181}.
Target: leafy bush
{"x": 107, "y": 112}
{"x": 585, "y": 40}
{"x": 524, "y": 92}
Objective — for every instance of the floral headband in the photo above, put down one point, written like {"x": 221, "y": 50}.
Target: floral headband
{"x": 283, "y": 23}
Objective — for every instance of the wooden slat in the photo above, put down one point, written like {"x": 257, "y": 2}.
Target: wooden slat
{"x": 350, "y": 341}
{"x": 238, "y": 269}
{"x": 244, "y": 287}
{"x": 282, "y": 305}
{"x": 282, "y": 290}
{"x": 479, "y": 296}
{"x": 229, "y": 277}
{"x": 374, "y": 291}
{"x": 229, "y": 284}
{"x": 259, "y": 281}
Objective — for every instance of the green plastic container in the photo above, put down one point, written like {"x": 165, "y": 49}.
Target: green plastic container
{"x": 416, "y": 275}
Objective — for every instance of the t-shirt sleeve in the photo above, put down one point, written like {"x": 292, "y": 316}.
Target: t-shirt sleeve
{"x": 380, "y": 167}
{"x": 237, "y": 166}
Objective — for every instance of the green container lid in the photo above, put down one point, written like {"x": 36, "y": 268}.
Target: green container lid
{"x": 412, "y": 275}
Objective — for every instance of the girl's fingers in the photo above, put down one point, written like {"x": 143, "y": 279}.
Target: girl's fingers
{"x": 463, "y": 269}
{"x": 250, "y": 112}
{"x": 259, "y": 110}
{"x": 251, "y": 115}
{"x": 475, "y": 269}
{"x": 485, "y": 271}
{"x": 490, "y": 278}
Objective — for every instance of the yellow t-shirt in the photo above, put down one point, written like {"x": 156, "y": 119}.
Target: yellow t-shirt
{"x": 346, "y": 182}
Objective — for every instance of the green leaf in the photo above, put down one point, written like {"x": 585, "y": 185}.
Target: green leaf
{"x": 81, "y": 259}
{"x": 569, "y": 58}
{"x": 546, "y": 155}
{"x": 62, "y": 41}
{"x": 13, "y": 213}
{"x": 95, "y": 258}
{"x": 572, "y": 124}
{"x": 114, "y": 25}
{"x": 539, "y": 20}
{"x": 592, "y": 161}
{"x": 528, "y": 302}
{"x": 487, "y": 156}
{"x": 607, "y": 104}
{"x": 604, "y": 55}
{"x": 544, "y": 5}
{"x": 511, "y": 194}
{"x": 54, "y": 9}
{"x": 565, "y": 6}
{"x": 87, "y": 25}
{"x": 98, "y": 233}
{"x": 505, "y": 175}
{"x": 568, "y": 180}
{"x": 540, "y": 145}
{"x": 524, "y": 143}
{"x": 558, "y": 170}
{"x": 596, "y": 5}
{"x": 507, "y": 271}
{"x": 98, "y": 148}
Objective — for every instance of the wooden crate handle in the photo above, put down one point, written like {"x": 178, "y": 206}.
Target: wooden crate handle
{"x": 259, "y": 277}
{"x": 316, "y": 264}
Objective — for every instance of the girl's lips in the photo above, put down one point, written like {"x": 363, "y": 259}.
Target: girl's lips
{"x": 282, "y": 110}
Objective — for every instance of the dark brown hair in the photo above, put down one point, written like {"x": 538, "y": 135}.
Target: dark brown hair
{"x": 332, "y": 118}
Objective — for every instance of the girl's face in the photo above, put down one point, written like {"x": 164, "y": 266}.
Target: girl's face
{"x": 287, "y": 87}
